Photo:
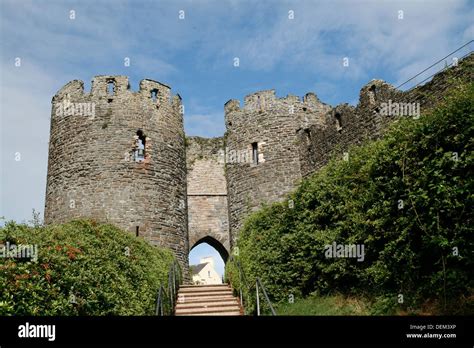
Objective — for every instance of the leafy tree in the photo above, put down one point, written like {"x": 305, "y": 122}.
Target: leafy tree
{"x": 407, "y": 198}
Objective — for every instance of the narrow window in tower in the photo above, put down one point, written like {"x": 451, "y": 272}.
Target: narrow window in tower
{"x": 154, "y": 95}
{"x": 110, "y": 88}
{"x": 338, "y": 121}
{"x": 373, "y": 92}
{"x": 255, "y": 153}
{"x": 140, "y": 147}
{"x": 307, "y": 133}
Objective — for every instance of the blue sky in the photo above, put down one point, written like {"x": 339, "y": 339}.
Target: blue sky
{"x": 195, "y": 56}
{"x": 203, "y": 250}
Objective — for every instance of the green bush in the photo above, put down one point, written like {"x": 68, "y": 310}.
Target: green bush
{"x": 82, "y": 269}
{"x": 409, "y": 251}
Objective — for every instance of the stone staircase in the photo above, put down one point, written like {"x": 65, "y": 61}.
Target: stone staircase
{"x": 207, "y": 300}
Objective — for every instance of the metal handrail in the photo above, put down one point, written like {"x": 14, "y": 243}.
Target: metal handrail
{"x": 258, "y": 284}
{"x": 159, "y": 301}
{"x": 174, "y": 281}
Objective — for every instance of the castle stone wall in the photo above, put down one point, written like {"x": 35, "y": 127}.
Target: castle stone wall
{"x": 194, "y": 190}
{"x": 321, "y": 142}
{"x": 92, "y": 170}
{"x": 207, "y": 194}
{"x": 272, "y": 123}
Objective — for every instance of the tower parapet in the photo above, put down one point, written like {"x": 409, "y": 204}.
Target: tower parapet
{"x": 118, "y": 156}
{"x": 263, "y": 134}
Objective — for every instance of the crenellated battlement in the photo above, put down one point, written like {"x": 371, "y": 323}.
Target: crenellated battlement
{"x": 112, "y": 141}
{"x": 111, "y": 91}
{"x": 96, "y": 168}
{"x": 266, "y": 128}
{"x": 231, "y": 105}
{"x": 116, "y": 86}
{"x": 107, "y": 85}
{"x": 308, "y": 109}
{"x": 261, "y": 100}
{"x": 375, "y": 91}
{"x": 155, "y": 90}
{"x": 74, "y": 88}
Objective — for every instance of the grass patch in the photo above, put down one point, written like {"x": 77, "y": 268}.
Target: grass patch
{"x": 325, "y": 305}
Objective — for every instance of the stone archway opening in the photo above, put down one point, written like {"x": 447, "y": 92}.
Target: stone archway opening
{"x": 207, "y": 258}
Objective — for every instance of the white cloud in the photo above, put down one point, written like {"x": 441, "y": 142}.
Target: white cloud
{"x": 55, "y": 50}
{"x": 367, "y": 32}
{"x": 99, "y": 36}
{"x": 25, "y": 110}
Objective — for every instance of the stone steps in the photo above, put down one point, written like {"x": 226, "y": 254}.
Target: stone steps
{"x": 200, "y": 291}
{"x": 230, "y": 313}
{"x": 202, "y": 288}
{"x": 207, "y": 300}
{"x": 205, "y": 293}
{"x": 207, "y": 304}
{"x": 197, "y": 299}
{"x": 208, "y": 309}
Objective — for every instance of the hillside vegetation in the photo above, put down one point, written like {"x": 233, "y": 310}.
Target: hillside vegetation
{"x": 407, "y": 198}
{"x": 82, "y": 268}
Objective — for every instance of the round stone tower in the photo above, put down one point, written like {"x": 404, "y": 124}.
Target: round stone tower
{"x": 118, "y": 156}
{"x": 262, "y": 149}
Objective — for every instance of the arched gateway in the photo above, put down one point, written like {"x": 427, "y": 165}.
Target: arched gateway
{"x": 221, "y": 249}
{"x": 208, "y": 220}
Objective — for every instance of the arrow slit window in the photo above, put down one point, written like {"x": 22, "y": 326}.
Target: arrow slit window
{"x": 140, "y": 146}
{"x": 255, "y": 153}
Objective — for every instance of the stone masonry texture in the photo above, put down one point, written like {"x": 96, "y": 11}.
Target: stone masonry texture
{"x": 272, "y": 124}
{"x": 321, "y": 142}
{"x": 91, "y": 168}
{"x": 190, "y": 190}
{"x": 207, "y": 194}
